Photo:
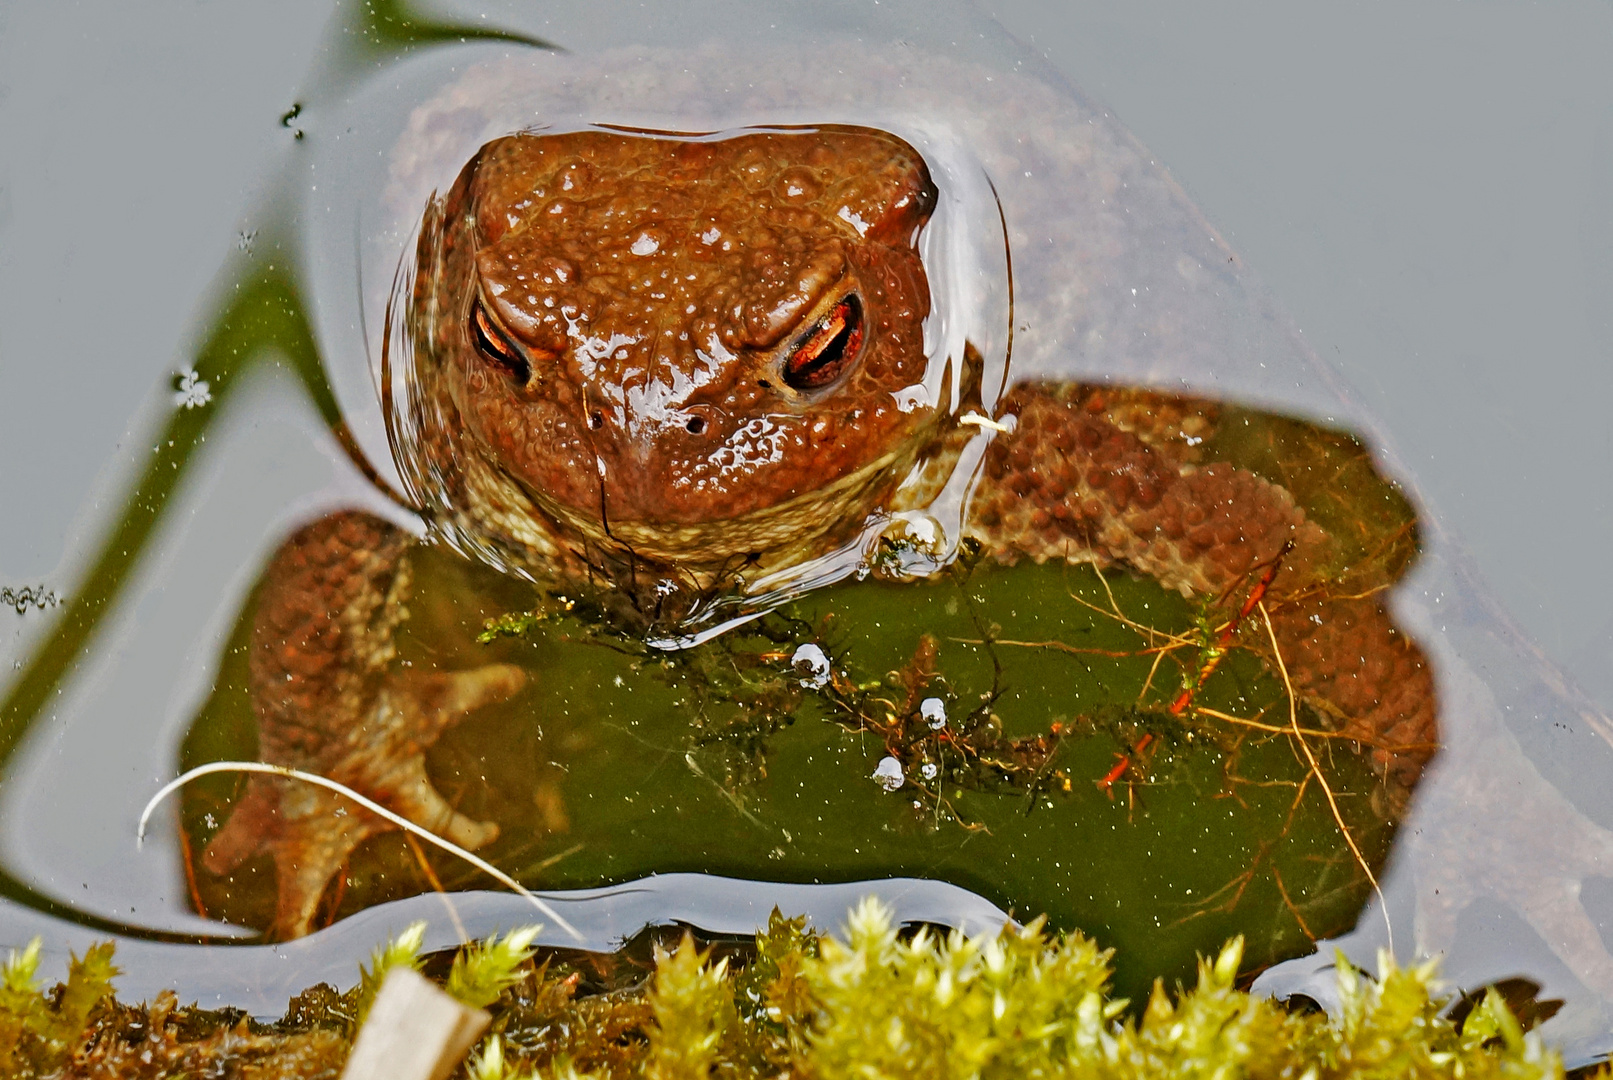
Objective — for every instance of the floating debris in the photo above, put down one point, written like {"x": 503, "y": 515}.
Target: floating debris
{"x": 191, "y": 390}
{"x": 812, "y": 665}
{"x": 32, "y": 596}
{"x": 888, "y": 773}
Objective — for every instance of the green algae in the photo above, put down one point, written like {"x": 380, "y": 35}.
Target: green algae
{"x": 1023, "y": 1002}
{"x": 621, "y": 760}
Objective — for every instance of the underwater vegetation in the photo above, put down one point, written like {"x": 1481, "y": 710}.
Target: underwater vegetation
{"x": 1008, "y": 729}
{"x": 881, "y": 1003}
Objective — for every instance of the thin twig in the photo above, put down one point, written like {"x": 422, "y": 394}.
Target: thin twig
{"x": 1119, "y": 616}
{"x": 190, "y": 875}
{"x": 733, "y": 800}
{"x": 1279, "y": 730}
{"x": 1075, "y": 650}
{"x": 436, "y": 885}
{"x": 544, "y": 864}
{"x": 1148, "y": 683}
{"x": 1316, "y": 770}
{"x": 1293, "y": 908}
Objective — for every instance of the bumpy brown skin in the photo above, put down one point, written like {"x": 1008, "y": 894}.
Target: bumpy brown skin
{"x": 1091, "y": 474}
{"x": 655, "y": 289}
{"x": 328, "y": 702}
{"x": 651, "y": 292}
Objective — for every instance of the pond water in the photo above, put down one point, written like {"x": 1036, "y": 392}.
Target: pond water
{"x": 1064, "y": 738}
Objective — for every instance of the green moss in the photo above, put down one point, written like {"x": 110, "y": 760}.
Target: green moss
{"x": 402, "y": 951}
{"x": 1021, "y": 1003}
{"x": 483, "y": 970}
{"x": 38, "y": 1031}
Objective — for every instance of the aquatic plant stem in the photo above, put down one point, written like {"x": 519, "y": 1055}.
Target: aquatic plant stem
{"x": 1316, "y": 771}
{"x": 369, "y": 804}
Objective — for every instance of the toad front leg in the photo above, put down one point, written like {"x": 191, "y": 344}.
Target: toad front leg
{"x": 330, "y": 700}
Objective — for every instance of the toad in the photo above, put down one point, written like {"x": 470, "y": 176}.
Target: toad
{"x": 677, "y": 365}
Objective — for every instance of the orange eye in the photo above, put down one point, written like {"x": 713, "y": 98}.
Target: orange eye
{"x": 495, "y": 347}
{"x": 825, "y": 351}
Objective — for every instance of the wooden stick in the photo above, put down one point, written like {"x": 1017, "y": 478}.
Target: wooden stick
{"x": 414, "y": 1032}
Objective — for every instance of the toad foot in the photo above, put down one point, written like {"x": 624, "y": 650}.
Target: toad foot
{"x": 329, "y": 701}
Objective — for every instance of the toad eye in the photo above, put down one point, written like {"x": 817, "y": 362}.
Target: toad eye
{"x": 495, "y": 347}
{"x": 826, "y": 350}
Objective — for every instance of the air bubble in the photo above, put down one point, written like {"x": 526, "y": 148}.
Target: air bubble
{"x": 888, "y": 773}
{"x": 812, "y": 664}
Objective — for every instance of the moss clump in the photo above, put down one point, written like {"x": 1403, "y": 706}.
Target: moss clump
{"x": 38, "y": 1031}
{"x": 1022, "y": 1003}
{"x": 77, "y": 1029}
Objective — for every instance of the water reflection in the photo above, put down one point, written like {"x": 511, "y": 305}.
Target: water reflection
{"x": 1129, "y": 321}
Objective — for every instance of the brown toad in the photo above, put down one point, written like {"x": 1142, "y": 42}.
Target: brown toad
{"x": 678, "y": 364}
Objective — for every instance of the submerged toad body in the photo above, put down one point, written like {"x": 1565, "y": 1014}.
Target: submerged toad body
{"x": 678, "y": 365}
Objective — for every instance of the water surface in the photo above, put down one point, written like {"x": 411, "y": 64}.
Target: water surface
{"x": 157, "y": 690}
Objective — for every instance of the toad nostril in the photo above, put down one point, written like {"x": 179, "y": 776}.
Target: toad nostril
{"x": 695, "y": 425}
{"x": 596, "y": 420}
